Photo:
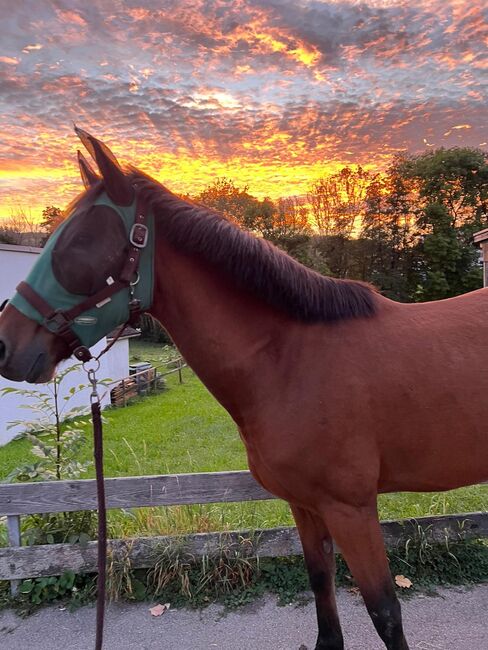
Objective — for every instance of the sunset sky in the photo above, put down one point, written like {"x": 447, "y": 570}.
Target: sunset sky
{"x": 272, "y": 93}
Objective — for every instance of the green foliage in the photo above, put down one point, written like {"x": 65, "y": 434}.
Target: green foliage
{"x": 285, "y": 577}
{"x": 52, "y": 217}
{"x": 428, "y": 563}
{"x": 56, "y": 440}
{"x": 56, "y": 436}
{"x": 237, "y": 205}
{"x": 70, "y": 588}
{"x": 60, "y": 528}
{"x": 408, "y": 232}
{"x": 44, "y": 590}
{"x": 456, "y": 178}
{"x": 231, "y": 577}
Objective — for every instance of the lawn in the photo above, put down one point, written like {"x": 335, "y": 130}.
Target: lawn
{"x": 183, "y": 429}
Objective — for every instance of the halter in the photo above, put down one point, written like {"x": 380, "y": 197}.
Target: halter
{"x": 122, "y": 300}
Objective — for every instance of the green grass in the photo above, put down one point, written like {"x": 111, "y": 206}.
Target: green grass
{"x": 183, "y": 429}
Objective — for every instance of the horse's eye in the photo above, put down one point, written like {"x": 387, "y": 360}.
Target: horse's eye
{"x": 82, "y": 239}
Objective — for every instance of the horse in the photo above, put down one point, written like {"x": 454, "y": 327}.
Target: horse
{"x": 338, "y": 392}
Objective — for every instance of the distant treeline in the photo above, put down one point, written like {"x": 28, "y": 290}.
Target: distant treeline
{"x": 408, "y": 230}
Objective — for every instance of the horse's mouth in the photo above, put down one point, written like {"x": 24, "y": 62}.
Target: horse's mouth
{"x": 36, "y": 368}
{"x": 38, "y": 373}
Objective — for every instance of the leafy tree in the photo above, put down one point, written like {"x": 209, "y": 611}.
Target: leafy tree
{"x": 456, "y": 178}
{"x": 285, "y": 223}
{"x": 52, "y": 218}
{"x": 408, "y": 231}
{"x": 337, "y": 201}
{"x": 388, "y": 234}
{"x": 235, "y": 203}
{"x": 449, "y": 261}
{"x": 441, "y": 254}
{"x": 449, "y": 200}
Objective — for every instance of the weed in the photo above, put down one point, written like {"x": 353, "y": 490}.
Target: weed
{"x": 122, "y": 583}
{"x": 232, "y": 574}
{"x": 75, "y": 590}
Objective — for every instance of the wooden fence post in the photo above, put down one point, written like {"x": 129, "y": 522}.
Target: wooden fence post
{"x": 13, "y": 526}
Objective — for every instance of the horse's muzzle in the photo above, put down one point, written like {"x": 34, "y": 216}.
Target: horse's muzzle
{"x": 28, "y": 352}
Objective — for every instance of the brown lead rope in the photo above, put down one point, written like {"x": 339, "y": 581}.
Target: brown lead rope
{"x": 102, "y": 513}
{"x": 96, "y": 414}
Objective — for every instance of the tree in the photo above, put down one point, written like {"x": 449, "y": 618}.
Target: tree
{"x": 21, "y": 229}
{"x": 388, "y": 234}
{"x": 52, "y": 218}
{"x": 337, "y": 201}
{"x": 449, "y": 262}
{"x": 6, "y": 235}
{"x": 232, "y": 201}
{"x": 455, "y": 178}
{"x": 449, "y": 199}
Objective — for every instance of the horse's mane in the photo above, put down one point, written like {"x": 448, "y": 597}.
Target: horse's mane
{"x": 253, "y": 263}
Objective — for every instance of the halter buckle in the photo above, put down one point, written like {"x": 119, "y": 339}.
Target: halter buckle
{"x": 138, "y": 236}
{"x": 57, "y": 323}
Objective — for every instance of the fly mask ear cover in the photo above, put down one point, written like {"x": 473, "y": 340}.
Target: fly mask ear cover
{"x": 94, "y": 323}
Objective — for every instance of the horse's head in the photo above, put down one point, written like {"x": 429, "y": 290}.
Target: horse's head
{"x": 86, "y": 280}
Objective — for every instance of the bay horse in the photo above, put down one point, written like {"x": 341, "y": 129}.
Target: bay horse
{"x": 338, "y": 393}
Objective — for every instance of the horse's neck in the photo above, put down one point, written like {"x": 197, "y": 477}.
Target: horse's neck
{"x": 225, "y": 335}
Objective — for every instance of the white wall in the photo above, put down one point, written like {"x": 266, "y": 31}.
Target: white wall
{"x": 15, "y": 263}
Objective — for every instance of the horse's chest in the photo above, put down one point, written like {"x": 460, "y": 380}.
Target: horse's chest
{"x": 280, "y": 478}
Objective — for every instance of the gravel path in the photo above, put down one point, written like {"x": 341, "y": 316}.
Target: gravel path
{"x": 455, "y": 619}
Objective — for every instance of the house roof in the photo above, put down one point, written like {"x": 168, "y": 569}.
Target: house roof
{"x": 480, "y": 236}
{"x": 128, "y": 333}
{"x": 15, "y": 248}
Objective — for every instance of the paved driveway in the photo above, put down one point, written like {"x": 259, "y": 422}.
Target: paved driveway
{"x": 456, "y": 619}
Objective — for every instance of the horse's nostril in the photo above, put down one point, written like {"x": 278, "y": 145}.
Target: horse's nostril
{"x": 3, "y": 352}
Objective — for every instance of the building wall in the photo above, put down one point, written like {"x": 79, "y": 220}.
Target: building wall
{"x": 15, "y": 263}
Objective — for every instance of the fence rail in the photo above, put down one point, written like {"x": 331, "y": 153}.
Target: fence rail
{"x": 18, "y": 562}
{"x": 130, "y": 492}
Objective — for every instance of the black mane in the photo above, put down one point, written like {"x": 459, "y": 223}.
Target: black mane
{"x": 253, "y": 263}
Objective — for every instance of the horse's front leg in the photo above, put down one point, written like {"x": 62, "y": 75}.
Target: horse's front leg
{"x": 320, "y": 561}
{"x": 357, "y": 532}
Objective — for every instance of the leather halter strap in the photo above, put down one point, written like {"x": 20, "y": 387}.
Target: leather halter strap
{"x": 59, "y": 321}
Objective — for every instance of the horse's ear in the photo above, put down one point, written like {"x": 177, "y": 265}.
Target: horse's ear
{"x": 88, "y": 176}
{"x": 115, "y": 182}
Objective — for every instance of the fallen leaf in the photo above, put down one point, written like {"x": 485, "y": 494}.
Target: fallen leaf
{"x": 159, "y": 609}
{"x": 354, "y": 590}
{"x": 403, "y": 582}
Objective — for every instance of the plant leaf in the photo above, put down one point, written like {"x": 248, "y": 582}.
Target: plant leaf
{"x": 403, "y": 582}
{"x": 159, "y": 609}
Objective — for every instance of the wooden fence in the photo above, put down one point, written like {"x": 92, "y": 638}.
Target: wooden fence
{"x": 19, "y": 562}
{"x": 123, "y": 390}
